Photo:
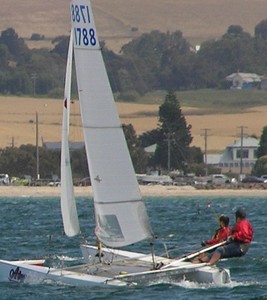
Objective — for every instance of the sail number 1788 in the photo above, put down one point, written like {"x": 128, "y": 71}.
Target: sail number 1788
{"x": 84, "y": 35}
{"x": 80, "y": 14}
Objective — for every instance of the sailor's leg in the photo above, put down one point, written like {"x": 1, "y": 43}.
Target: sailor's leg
{"x": 215, "y": 257}
{"x": 202, "y": 258}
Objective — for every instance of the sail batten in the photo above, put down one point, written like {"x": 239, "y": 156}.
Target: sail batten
{"x": 120, "y": 213}
{"x": 102, "y": 127}
{"x": 116, "y": 202}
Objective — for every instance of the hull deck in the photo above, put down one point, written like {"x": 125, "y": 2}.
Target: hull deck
{"x": 134, "y": 269}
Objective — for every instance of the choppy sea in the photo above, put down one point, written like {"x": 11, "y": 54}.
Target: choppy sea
{"x": 32, "y": 228}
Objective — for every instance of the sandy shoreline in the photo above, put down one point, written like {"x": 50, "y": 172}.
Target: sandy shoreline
{"x": 155, "y": 190}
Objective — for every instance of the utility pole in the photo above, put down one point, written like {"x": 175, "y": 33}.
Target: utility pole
{"x": 37, "y": 148}
{"x": 205, "y": 134}
{"x": 12, "y": 142}
{"x": 34, "y": 78}
{"x": 169, "y": 153}
{"x": 241, "y": 148}
{"x": 169, "y": 139}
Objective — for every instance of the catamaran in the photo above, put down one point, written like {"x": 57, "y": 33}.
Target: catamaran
{"x": 120, "y": 215}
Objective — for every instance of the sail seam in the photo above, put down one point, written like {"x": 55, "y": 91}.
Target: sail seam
{"x": 88, "y": 49}
{"x": 120, "y": 202}
{"x": 103, "y": 127}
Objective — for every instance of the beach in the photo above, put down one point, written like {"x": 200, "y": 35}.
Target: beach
{"x": 146, "y": 190}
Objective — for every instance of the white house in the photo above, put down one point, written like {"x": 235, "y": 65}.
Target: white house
{"x": 230, "y": 161}
{"x": 263, "y": 84}
{"x": 243, "y": 80}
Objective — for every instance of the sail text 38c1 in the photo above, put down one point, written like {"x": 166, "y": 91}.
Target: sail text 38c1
{"x": 83, "y": 26}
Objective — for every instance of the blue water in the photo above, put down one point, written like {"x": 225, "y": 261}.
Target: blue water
{"x": 32, "y": 228}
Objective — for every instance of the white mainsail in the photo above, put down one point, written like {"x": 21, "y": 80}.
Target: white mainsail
{"x": 121, "y": 217}
{"x": 68, "y": 205}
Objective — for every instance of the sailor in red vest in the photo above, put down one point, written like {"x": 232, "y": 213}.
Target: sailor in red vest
{"x": 220, "y": 234}
{"x": 239, "y": 240}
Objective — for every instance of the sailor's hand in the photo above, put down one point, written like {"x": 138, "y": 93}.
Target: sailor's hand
{"x": 203, "y": 243}
{"x": 229, "y": 239}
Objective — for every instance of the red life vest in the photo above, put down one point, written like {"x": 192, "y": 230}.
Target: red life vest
{"x": 220, "y": 235}
{"x": 242, "y": 231}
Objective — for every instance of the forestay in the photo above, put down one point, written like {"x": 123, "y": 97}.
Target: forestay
{"x": 120, "y": 213}
{"x": 68, "y": 205}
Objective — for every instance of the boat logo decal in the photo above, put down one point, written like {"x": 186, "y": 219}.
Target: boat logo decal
{"x": 98, "y": 179}
{"x": 16, "y": 275}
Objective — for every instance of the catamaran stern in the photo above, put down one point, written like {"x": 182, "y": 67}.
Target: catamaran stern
{"x": 210, "y": 274}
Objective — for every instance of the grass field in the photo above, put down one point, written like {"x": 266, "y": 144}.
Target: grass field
{"x": 222, "y": 101}
{"x": 18, "y": 124}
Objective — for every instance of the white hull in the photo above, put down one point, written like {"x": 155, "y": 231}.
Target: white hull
{"x": 117, "y": 268}
{"x": 172, "y": 269}
{"x": 22, "y": 272}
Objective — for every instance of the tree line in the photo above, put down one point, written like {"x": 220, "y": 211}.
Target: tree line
{"x": 172, "y": 138}
{"x": 153, "y": 61}
{"x": 165, "y": 60}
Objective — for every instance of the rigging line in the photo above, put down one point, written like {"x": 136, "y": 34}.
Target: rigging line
{"x": 167, "y": 251}
{"x": 142, "y": 79}
{"x": 111, "y": 76}
{"x": 124, "y": 259}
{"x": 119, "y": 84}
{"x": 152, "y": 249}
{"x": 50, "y": 242}
{"x": 88, "y": 265}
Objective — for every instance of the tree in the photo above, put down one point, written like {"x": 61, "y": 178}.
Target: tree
{"x": 153, "y": 59}
{"x": 174, "y": 135}
{"x": 137, "y": 153}
{"x": 260, "y": 167}
{"x": 22, "y": 161}
{"x": 61, "y": 45}
{"x": 219, "y": 58}
{"x": 18, "y": 82}
{"x": 149, "y": 138}
{"x": 16, "y": 46}
{"x": 261, "y": 30}
{"x": 262, "y": 150}
{"x": 4, "y": 56}
{"x": 17, "y": 161}
{"x": 79, "y": 164}
{"x": 195, "y": 155}
{"x": 236, "y": 31}
{"x": 115, "y": 66}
